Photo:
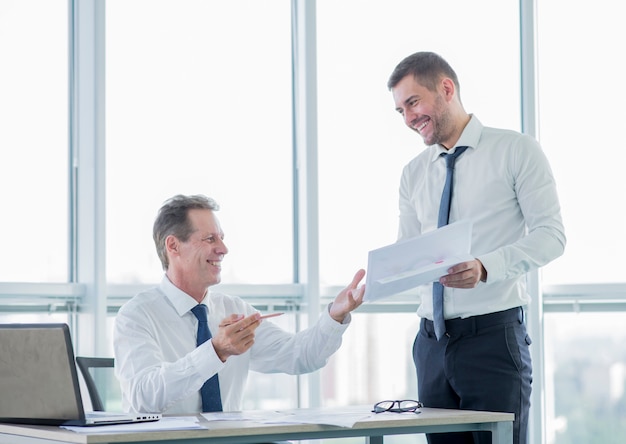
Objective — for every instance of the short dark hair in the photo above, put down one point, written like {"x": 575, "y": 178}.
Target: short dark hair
{"x": 172, "y": 220}
{"x": 427, "y": 68}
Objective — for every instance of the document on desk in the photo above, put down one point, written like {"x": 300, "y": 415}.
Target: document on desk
{"x": 412, "y": 262}
{"x": 255, "y": 415}
{"x": 298, "y": 416}
{"x": 320, "y": 416}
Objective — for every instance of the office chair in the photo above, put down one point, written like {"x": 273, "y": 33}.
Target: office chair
{"x": 87, "y": 363}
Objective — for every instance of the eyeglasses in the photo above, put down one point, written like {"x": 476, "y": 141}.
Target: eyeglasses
{"x": 406, "y": 405}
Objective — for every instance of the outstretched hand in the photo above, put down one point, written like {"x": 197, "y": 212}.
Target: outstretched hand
{"x": 349, "y": 298}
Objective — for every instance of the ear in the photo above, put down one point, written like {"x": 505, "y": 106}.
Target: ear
{"x": 172, "y": 245}
{"x": 448, "y": 88}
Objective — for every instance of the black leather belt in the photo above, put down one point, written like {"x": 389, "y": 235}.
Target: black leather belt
{"x": 473, "y": 324}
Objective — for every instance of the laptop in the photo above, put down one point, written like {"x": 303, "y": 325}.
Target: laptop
{"x": 39, "y": 381}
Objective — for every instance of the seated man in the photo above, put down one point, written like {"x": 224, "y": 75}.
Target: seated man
{"x": 157, "y": 360}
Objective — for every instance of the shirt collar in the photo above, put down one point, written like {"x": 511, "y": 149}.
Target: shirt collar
{"x": 469, "y": 137}
{"x": 181, "y": 301}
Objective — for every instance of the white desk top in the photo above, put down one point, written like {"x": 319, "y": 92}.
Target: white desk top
{"x": 429, "y": 420}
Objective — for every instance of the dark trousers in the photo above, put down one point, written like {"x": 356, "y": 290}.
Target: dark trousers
{"x": 483, "y": 363}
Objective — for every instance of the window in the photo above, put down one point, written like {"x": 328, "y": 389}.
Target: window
{"x": 576, "y": 68}
{"x": 198, "y": 101}
{"x": 363, "y": 142}
{"x": 585, "y": 361}
{"x": 585, "y": 377}
{"x": 375, "y": 361}
{"x": 34, "y": 157}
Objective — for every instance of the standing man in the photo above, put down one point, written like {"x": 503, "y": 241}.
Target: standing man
{"x": 158, "y": 361}
{"x": 501, "y": 181}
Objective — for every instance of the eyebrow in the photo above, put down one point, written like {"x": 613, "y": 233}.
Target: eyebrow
{"x": 212, "y": 234}
{"x": 407, "y": 100}
{"x": 410, "y": 98}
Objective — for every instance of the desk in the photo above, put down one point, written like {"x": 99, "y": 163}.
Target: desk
{"x": 374, "y": 428}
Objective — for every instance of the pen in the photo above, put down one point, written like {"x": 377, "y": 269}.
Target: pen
{"x": 271, "y": 315}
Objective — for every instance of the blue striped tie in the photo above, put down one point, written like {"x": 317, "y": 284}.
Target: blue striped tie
{"x": 210, "y": 391}
{"x": 444, "y": 217}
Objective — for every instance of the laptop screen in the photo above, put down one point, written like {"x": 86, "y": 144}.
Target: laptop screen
{"x": 38, "y": 379}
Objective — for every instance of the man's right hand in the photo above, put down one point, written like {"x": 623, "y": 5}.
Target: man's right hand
{"x": 235, "y": 335}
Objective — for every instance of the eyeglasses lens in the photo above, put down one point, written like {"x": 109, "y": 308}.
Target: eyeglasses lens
{"x": 383, "y": 406}
{"x": 408, "y": 406}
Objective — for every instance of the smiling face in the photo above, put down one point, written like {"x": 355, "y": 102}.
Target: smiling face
{"x": 425, "y": 111}
{"x": 196, "y": 264}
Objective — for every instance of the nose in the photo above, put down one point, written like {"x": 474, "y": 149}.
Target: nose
{"x": 221, "y": 247}
{"x": 409, "y": 117}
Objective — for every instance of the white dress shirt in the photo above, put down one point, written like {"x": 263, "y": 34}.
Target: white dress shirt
{"x": 504, "y": 185}
{"x": 161, "y": 369}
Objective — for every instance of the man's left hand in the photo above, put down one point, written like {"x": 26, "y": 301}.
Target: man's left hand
{"x": 465, "y": 275}
{"x": 349, "y": 298}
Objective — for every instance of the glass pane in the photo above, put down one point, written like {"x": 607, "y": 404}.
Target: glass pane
{"x": 273, "y": 391}
{"x": 572, "y": 67}
{"x": 375, "y": 361}
{"x": 585, "y": 377}
{"x": 363, "y": 142}
{"x": 34, "y": 154}
{"x": 199, "y": 102}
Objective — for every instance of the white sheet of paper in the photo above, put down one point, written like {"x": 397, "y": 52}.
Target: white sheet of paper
{"x": 305, "y": 416}
{"x": 423, "y": 259}
{"x": 254, "y": 415}
{"x": 321, "y": 416}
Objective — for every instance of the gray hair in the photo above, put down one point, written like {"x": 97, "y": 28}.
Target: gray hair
{"x": 172, "y": 220}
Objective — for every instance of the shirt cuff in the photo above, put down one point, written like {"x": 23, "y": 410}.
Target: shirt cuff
{"x": 494, "y": 267}
{"x": 205, "y": 360}
{"x": 327, "y": 319}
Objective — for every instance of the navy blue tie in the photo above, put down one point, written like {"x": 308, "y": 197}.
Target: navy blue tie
{"x": 444, "y": 217}
{"x": 210, "y": 391}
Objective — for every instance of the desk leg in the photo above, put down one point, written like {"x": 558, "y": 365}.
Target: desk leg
{"x": 502, "y": 433}
{"x": 374, "y": 440}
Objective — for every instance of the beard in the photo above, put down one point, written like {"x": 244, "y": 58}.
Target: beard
{"x": 441, "y": 121}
